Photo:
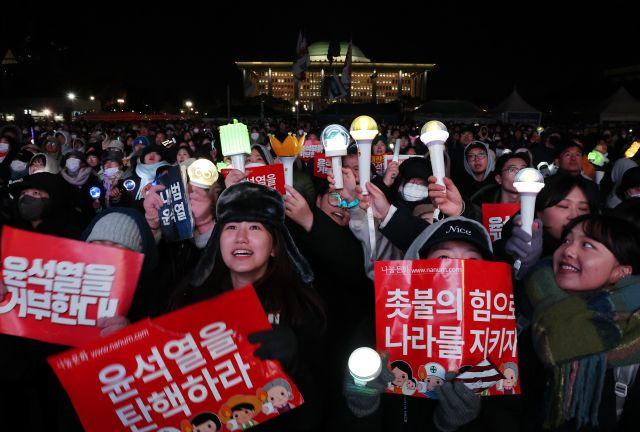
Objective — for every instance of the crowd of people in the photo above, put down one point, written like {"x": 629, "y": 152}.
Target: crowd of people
{"x": 308, "y": 255}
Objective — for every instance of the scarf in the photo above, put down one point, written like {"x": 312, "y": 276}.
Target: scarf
{"x": 577, "y": 337}
{"x": 80, "y": 178}
{"x": 147, "y": 174}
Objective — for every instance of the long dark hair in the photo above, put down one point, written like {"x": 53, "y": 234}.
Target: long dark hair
{"x": 558, "y": 186}
{"x": 280, "y": 289}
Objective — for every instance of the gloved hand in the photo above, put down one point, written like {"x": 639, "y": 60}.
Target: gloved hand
{"x": 364, "y": 400}
{"x": 457, "y": 406}
{"x": 280, "y": 343}
{"x": 518, "y": 245}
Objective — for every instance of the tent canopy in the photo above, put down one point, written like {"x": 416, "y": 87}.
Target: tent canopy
{"x": 620, "y": 107}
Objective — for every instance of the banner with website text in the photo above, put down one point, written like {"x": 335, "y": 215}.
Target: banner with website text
{"x": 192, "y": 368}
{"x": 438, "y": 316}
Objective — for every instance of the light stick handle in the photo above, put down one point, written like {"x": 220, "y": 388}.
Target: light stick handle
{"x": 527, "y": 210}
{"x": 237, "y": 161}
{"x": 396, "y": 151}
{"x": 336, "y": 167}
{"x": 364, "y": 163}
{"x": 287, "y": 161}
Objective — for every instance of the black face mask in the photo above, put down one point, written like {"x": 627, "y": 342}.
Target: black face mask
{"x": 31, "y": 208}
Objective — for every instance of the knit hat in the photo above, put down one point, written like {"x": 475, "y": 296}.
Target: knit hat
{"x": 630, "y": 179}
{"x": 154, "y": 148}
{"x": 264, "y": 152}
{"x": 250, "y": 202}
{"x": 141, "y": 140}
{"x": 453, "y": 228}
{"x": 115, "y": 144}
{"x": 415, "y": 167}
{"x": 118, "y": 228}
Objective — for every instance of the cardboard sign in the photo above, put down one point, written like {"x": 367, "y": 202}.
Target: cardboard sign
{"x": 494, "y": 216}
{"x": 310, "y": 149}
{"x": 269, "y": 175}
{"x": 179, "y": 371}
{"x": 401, "y": 158}
{"x": 175, "y": 215}
{"x": 321, "y": 166}
{"x": 438, "y": 316}
{"x": 57, "y": 288}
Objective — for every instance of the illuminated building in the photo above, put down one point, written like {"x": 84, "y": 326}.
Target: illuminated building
{"x": 370, "y": 81}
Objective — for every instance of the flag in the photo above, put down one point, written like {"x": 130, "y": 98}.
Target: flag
{"x": 346, "y": 70}
{"x": 302, "y": 63}
{"x": 335, "y": 88}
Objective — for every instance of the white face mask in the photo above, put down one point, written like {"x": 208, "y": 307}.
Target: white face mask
{"x": 254, "y": 165}
{"x": 255, "y": 136}
{"x": 18, "y": 165}
{"x": 196, "y": 130}
{"x": 110, "y": 172}
{"x": 73, "y": 165}
{"x": 414, "y": 192}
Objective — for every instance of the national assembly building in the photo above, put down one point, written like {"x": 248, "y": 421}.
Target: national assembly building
{"x": 371, "y": 82}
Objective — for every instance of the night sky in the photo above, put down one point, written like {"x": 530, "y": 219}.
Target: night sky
{"x": 163, "y": 56}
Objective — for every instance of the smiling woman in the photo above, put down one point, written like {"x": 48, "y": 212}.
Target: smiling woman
{"x": 585, "y": 325}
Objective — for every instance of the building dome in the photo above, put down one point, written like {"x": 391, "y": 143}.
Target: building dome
{"x": 318, "y": 52}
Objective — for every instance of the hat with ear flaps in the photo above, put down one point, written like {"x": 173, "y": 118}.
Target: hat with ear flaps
{"x": 250, "y": 202}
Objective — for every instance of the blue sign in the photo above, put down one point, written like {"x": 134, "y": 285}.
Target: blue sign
{"x": 175, "y": 215}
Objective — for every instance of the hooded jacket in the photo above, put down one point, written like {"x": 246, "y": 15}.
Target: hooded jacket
{"x": 467, "y": 184}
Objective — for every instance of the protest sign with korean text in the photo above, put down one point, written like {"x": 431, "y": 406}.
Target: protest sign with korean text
{"x": 321, "y": 166}
{"x": 57, "y": 288}
{"x": 439, "y": 316}
{"x": 174, "y": 372}
{"x": 378, "y": 162}
{"x": 311, "y": 149}
{"x": 495, "y": 216}
{"x": 269, "y": 175}
{"x": 401, "y": 158}
{"x": 175, "y": 215}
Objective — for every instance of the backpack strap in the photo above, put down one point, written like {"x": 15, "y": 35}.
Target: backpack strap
{"x": 624, "y": 376}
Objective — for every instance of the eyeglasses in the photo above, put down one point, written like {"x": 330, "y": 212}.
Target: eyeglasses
{"x": 512, "y": 170}
{"x": 477, "y": 156}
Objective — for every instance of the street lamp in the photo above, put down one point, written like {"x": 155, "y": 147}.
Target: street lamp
{"x": 297, "y": 115}
{"x": 188, "y": 104}
{"x": 92, "y": 98}
{"x": 71, "y": 96}
{"x": 46, "y": 112}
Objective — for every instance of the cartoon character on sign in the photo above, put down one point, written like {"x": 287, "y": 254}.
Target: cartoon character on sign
{"x": 239, "y": 412}
{"x": 510, "y": 381}
{"x": 402, "y": 373}
{"x": 279, "y": 395}
{"x": 203, "y": 422}
{"x": 432, "y": 375}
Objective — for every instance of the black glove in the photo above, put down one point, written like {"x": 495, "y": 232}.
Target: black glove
{"x": 280, "y": 343}
{"x": 457, "y": 406}
{"x": 365, "y": 400}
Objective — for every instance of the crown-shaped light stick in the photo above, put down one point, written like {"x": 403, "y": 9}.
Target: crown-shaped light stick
{"x": 287, "y": 151}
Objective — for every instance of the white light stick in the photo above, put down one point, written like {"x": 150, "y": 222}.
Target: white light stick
{"x": 364, "y": 129}
{"x": 528, "y": 182}
{"x": 396, "y": 151}
{"x": 434, "y": 134}
{"x": 288, "y": 161}
{"x": 364, "y": 365}
{"x": 335, "y": 140}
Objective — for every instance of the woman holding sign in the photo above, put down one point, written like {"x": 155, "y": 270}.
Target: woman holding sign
{"x": 585, "y": 330}
{"x": 251, "y": 245}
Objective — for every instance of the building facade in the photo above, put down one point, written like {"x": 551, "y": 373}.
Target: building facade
{"x": 370, "y": 81}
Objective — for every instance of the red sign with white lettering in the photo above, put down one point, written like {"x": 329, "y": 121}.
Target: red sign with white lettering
{"x": 439, "y": 316}
{"x": 188, "y": 369}
{"x": 494, "y": 216}
{"x": 269, "y": 175}
{"x": 57, "y": 288}
{"x": 321, "y": 166}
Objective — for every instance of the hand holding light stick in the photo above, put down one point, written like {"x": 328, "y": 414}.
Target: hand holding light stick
{"x": 434, "y": 134}
{"x": 528, "y": 182}
{"x": 364, "y": 129}
{"x": 202, "y": 173}
{"x": 335, "y": 140}
{"x": 234, "y": 139}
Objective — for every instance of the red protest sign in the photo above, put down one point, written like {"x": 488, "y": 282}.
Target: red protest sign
{"x": 57, "y": 288}
{"x": 167, "y": 373}
{"x": 494, "y": 216}
{"x": 321, "y": 166}
{"x": 438, "y": 316}
{"x": 311, "y": 149}
{"x": 269, "y": 175}
{"x": 401, "y": 158}
{"x": 378, "y": 162}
